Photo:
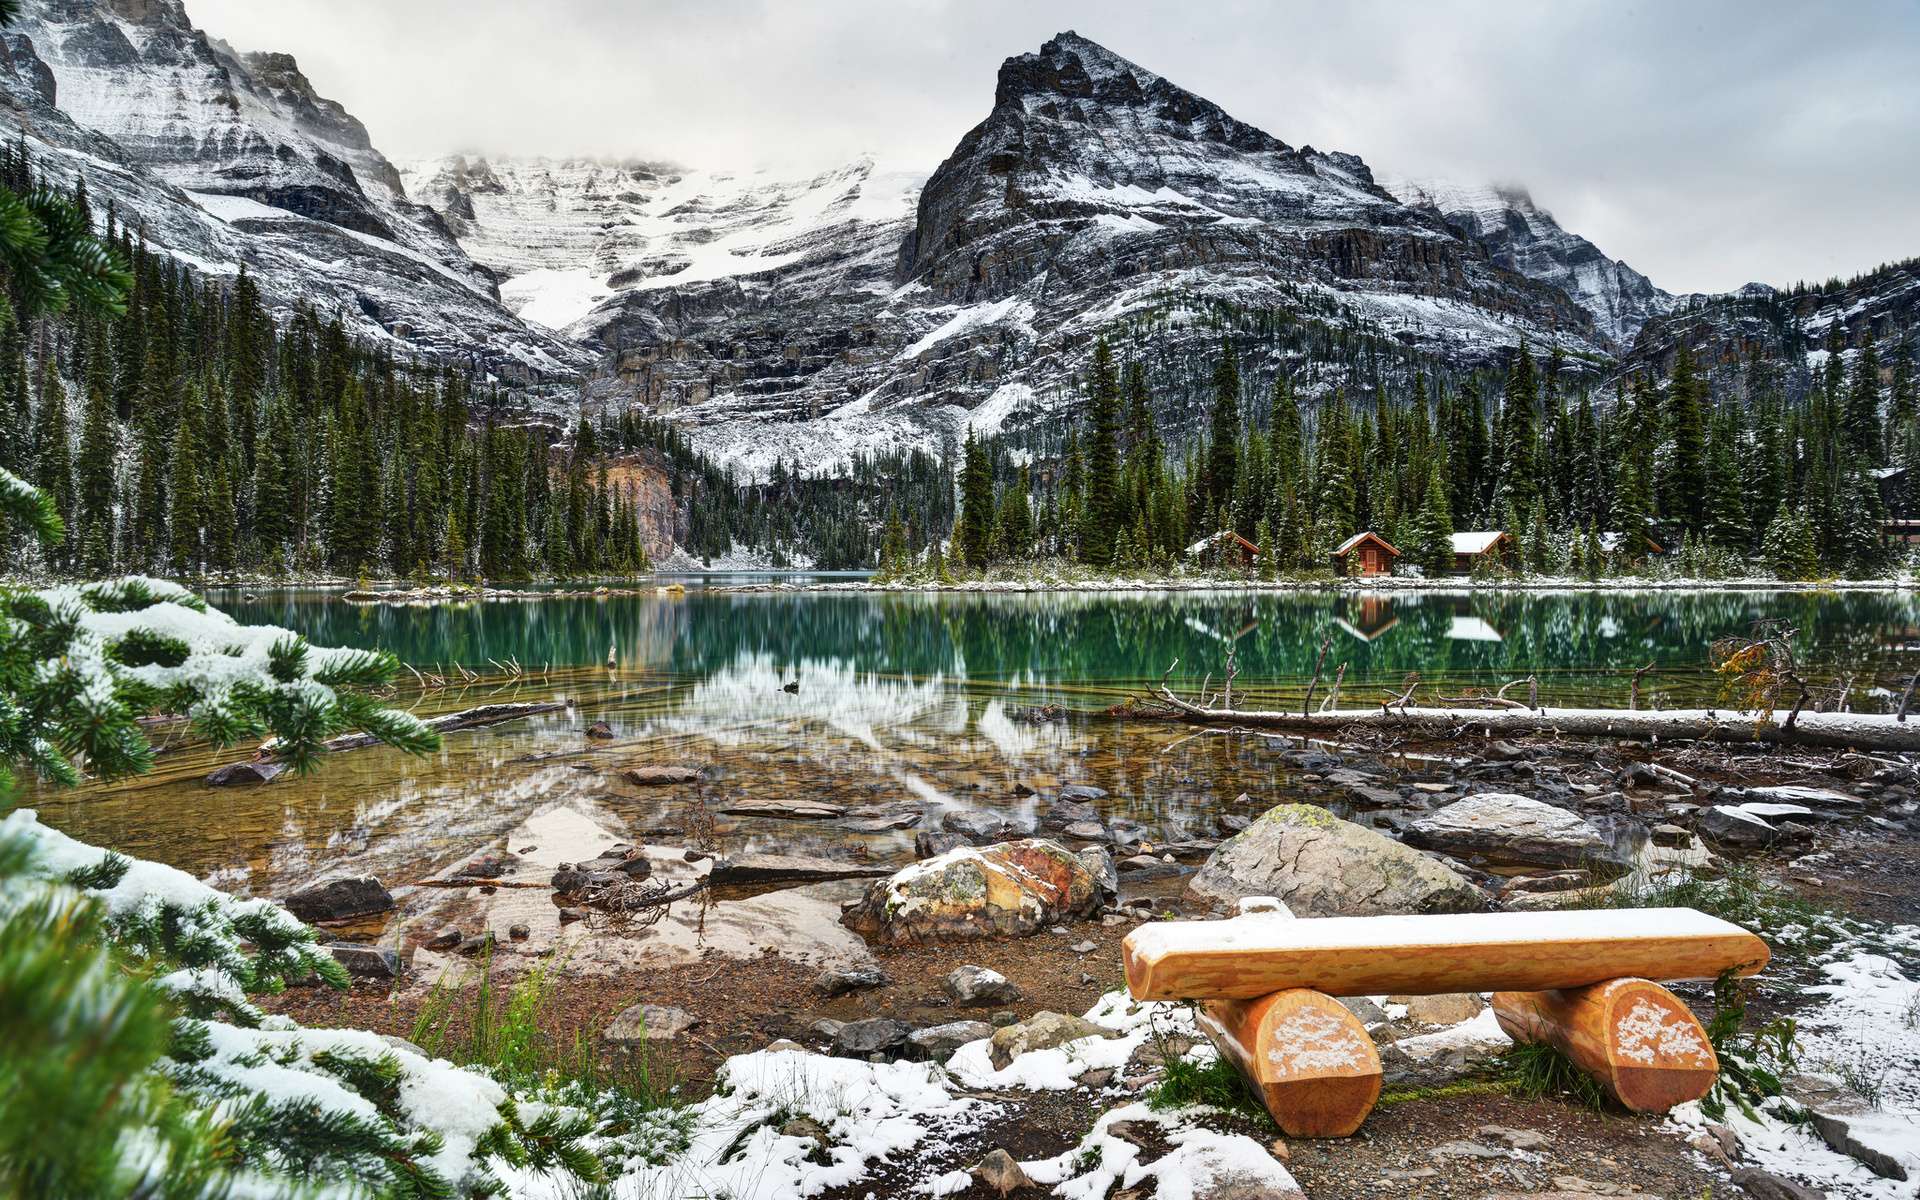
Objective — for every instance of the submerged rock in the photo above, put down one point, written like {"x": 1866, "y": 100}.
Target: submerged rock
{"x": 241, "y": 773}
{"x": 339, "y": 899}
{"x": 655, "y": 776}
{"x": 1008, "y": 890}
{"x": 1321, "y": 866}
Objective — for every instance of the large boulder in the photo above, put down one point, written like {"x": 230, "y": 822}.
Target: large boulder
{"x": 1008, "y": 890}
{"x": 1513, "y": 829}
{"x": 339, "y": 899}
{"x": 1321, "y": 866}
{"x": 1736, "y": 828}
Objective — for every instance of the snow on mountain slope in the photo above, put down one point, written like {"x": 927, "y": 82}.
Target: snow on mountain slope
{"x": 1520, "y": 235}
{"x": 1095, "y": 192}
{"x": 229, "y": 158}
{"x": 567, "y": 235}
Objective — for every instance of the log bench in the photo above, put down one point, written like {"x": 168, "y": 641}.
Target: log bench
{"x": 1587, "y": 982}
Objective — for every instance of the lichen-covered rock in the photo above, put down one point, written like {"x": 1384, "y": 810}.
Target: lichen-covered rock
{"x": 1009, "y": 890}
{"x": 1511, "y": 828}
{"x": 1041, "y": 1031}
{"x": 1321, "y": 866}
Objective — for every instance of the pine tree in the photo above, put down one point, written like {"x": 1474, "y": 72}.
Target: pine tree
{"x": 184, "y": 489}
{"x": 96, "y": 479}
{"x": 975, "y": 531}
{"x": 1789, "y": 549}
{"x": 1683, "y": 488}
{"x": 1101, "y": 524}
{"x": 1592, "y": 551}
{"x": 1519, "y": 476}
{"x": 1223, "y": 428}
{"x": 1015, "y": 525}
{"x": 1900, "y": 395}
{"x": 1865, "y": 439}
{"x": 1264, "y": 562}
{"x": 1432, "y": 545}
{"x": 1726, "y": 522}
{"x": 223, "y": 534}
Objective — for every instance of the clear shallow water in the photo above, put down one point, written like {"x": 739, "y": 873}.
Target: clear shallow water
{"x": 902, "y": 697}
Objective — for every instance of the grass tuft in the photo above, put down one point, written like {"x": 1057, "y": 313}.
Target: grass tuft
{"x": 1538, "y": 1072}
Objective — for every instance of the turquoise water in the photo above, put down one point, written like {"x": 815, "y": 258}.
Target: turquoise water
{"x": 900, "y": 698}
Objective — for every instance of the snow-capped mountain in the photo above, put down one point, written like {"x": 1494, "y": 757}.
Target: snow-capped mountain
{"x": 1520, "y": 235}
{"x": 854, "y": 309}
{"x": 224, "y": 159}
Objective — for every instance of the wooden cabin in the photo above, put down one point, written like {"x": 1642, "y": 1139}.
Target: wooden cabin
{"x": 1223, "y": 549}
{"x": 1364, "y": 554}
{"x": 1476, "y": 546}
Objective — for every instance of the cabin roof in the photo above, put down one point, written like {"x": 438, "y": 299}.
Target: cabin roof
{"x": 1362, "y": 536}
{"x": 1212, "y": 538}
{"x": 1477, "y": 541}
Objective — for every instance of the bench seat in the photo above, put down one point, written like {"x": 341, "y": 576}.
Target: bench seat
{"x": 1253, "y": 956}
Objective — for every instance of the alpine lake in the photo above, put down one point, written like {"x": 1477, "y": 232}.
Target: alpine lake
{"x": 893, "y": 700}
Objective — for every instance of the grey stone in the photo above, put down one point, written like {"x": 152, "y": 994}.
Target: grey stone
{"x": 1002, "y": 1019}
{"x": 400, "y": 1043}
{"x": 1366, "y": 1011}
{"x": 875, "y": 1035}
{"x": 447, "y": 938}
{"x": 1084, "y": 947}
{"x": 570, "y": 915}
{"x": 1321, "y": 866}
{"x": 999, "y": 1172}
{"x": 1765, "y": 1185}
{"x": 242, "y": 773}
{"x": 931, "y": 844}
{"x": 1087, "y": 831}
{"x": 977, "y": 987}
{"x": 1066, "y": 812}
{"x": 1507, "y": 827}
{"x": 805, "y": 1127}
{"x": 1726, "y": 825}
{"x": 1517, "y": 1139}
{"x": 368, "y": 962}
{"x": 1081, "y": 792}
{"x": 854, "y": 979}
{"x": 940, "y": 1041}
{"x": 649, "y": 1023}
{"x": 339, "y": 899}
{"x": 519, "y": 933}
{"x": 479, "y": 943}
{"x": 972, "y": 822}
{"x": 1105, "y": 875}
{"x": 827, "y": 1027}
{"x": 1465, "y": 1150}
{"x": 1853, "y": 1128}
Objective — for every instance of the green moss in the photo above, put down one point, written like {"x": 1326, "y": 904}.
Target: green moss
{"x": 1302, "y": 814}
{"x": 1464, "y": 1087}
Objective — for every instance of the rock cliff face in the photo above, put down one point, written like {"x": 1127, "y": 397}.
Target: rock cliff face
{"x": 1519, "y": 235}
{"x": 857, "y": 310}
{"x": 226, "y": 159}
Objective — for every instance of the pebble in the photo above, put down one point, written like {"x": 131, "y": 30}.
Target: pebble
{"x": 1083, "y": 947}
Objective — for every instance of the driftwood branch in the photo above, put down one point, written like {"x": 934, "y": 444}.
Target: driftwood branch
{"x": 472, "y": 881}
{"x": 471, "y": 718}
{"x": 1332, "y": 702}
{"x": 1306, "y": 706}
{"x": 1900, "y": 714}
{"x": 1633, "y": 697}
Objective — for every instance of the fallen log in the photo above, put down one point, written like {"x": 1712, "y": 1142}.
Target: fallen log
{"x": 1637, "y": 1039}
{"x": 1859, "y": 731}
{"x": 1310, "y": 1060}
{"x": 473, "y": 881}
{"x": 470, "y": 718}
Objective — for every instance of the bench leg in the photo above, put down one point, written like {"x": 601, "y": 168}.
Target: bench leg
{"x": 1639, "y": 1040}
{"x": 1310, "y": 1059}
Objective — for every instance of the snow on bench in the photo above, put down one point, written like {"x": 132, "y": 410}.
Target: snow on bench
{"x": 1581, "y": 981}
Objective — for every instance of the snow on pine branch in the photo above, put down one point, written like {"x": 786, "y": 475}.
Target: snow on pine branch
{"x": 81, "y": 662}
{"x": 166, "y": 918}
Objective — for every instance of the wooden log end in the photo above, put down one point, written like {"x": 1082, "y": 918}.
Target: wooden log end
{"x": 1637, "y": 1039}
{"x": 1306, "y": 1056}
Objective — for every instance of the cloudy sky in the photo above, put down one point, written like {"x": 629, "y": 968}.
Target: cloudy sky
{"x": 1705, "y": 144}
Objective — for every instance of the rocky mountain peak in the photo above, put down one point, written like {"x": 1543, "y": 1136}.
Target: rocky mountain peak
{"x": 149, "y": 14}
{"x": 1072, "y": 78}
